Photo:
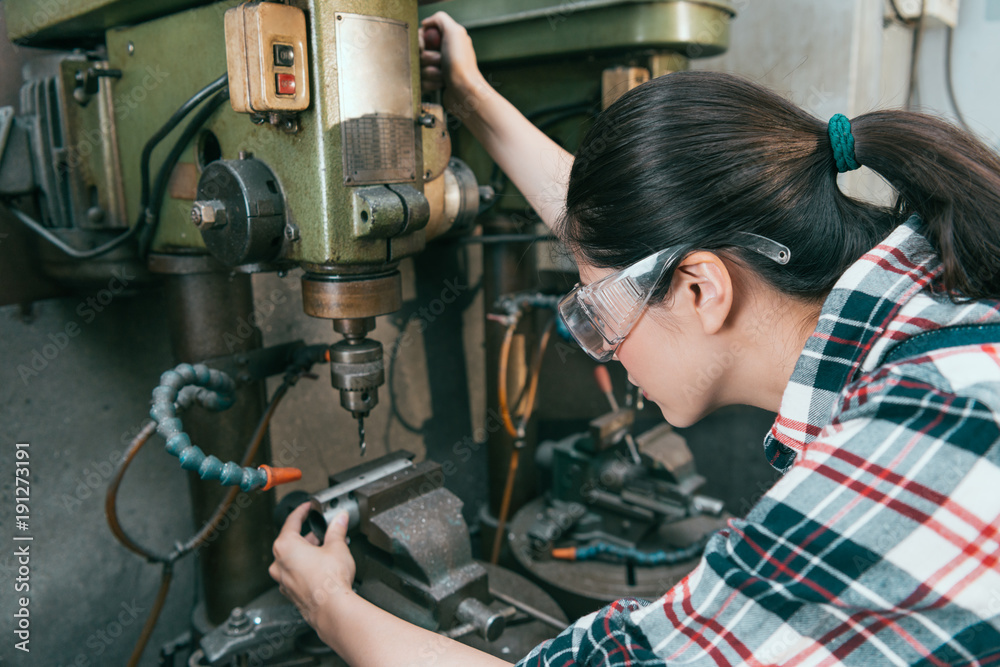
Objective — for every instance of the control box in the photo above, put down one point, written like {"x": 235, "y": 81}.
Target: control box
{"x": 267, "y": 58}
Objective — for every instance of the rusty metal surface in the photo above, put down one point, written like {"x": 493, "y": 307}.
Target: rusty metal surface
{"x": 349, "y": 299}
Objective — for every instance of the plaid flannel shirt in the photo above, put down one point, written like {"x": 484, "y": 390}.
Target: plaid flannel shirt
{"x": 879, "y": 544}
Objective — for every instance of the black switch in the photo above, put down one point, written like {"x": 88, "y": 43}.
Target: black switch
{"x": 284, "y": 55}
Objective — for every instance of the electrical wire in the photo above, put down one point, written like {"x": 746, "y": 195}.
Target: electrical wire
{"x": 525, "y": 406}
{"x": 67, "y": 249}
{"x": 166, "y": 577}
{"x": 167, "y": 561}
{"x": 162, "y": 181}
{"x": 111, "y": 499}
{"x": 949, "y": 39}
{"x": 144, "y": 171}
{"x": 393, "y": 403}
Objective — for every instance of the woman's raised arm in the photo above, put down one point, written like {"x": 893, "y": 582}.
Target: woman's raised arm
{"x": 537, "y": 166}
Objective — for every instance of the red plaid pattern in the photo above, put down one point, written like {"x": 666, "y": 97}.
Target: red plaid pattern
{"x": 880, "y": 545}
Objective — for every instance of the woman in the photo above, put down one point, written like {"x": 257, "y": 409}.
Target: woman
{"x": 706, "y": 221}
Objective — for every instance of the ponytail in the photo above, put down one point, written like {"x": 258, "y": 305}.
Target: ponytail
{"x": 695, "y": 157}
{"x": 951, "y": 180}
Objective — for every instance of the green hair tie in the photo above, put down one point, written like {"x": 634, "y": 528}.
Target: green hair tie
{"x": 842, "y": 141}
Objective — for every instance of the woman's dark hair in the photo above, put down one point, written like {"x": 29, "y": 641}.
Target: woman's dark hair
{"x": 694, "y": 157}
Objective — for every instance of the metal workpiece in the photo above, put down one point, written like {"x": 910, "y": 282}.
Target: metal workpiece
{"x": 325, "y": 505}
{"x": 240, "y": 211}
{"x": 410, "y": 543}
{"x": 488, "y": 622}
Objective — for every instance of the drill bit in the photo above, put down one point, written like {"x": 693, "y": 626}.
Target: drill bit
{"x": 361, "y": 433}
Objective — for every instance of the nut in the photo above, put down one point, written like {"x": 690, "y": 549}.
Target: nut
{"x": 209, "y": 214}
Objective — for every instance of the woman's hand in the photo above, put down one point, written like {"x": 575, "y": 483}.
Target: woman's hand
{"x": 448, "y": 60}
{"x": 308, "y": 574}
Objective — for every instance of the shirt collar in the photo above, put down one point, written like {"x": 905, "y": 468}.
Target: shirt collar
{"x": 855, "y": 314}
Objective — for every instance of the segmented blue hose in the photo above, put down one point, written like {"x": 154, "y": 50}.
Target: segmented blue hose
{"x": 640, "y": 557}
{"x": 214, "y": 390}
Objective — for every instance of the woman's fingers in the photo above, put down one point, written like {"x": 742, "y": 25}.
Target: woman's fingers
{"x": 430, "y": 58}
{"x": 293, "y": 524}
{"x": 336, "y": 532}
{"x": 431, "y": 80}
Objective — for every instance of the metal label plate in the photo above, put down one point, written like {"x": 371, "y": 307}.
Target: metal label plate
{"x": 376, "y": 100}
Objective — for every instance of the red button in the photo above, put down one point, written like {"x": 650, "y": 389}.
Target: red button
{"x": 286, "y": 84}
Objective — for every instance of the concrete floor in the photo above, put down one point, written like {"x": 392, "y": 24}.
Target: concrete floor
{"x": 88, "y": 596}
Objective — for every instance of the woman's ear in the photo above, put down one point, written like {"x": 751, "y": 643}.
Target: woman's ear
{"x": 703, "y": 287}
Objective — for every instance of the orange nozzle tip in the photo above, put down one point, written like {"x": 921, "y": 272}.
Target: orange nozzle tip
{"x": 565, "y": 553}
{"x": 276, "y": 476}
{"x": 326, "y": 356}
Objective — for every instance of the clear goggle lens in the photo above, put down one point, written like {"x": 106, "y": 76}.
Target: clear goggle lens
{"x": 601, "y": 314}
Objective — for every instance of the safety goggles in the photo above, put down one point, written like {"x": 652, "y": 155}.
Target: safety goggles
{"x": 600, "y": 315}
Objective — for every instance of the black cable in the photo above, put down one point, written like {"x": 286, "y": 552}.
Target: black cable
{"x": 144, "y": 169}
{"x": 393, "y": 403}
{"x": 947, "y": 79}
{"x": 152, "y": 217}
{"x": 75, "y": 253}
{"x": 168, "y": 127}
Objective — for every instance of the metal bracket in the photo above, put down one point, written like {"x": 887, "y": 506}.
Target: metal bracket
{"x": 265, "y": 626}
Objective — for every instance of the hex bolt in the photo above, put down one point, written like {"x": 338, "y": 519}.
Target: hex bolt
{"x": 209, "y": 214}
{"x": 292, "y": 232}
{"x": 238, "y": 622}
